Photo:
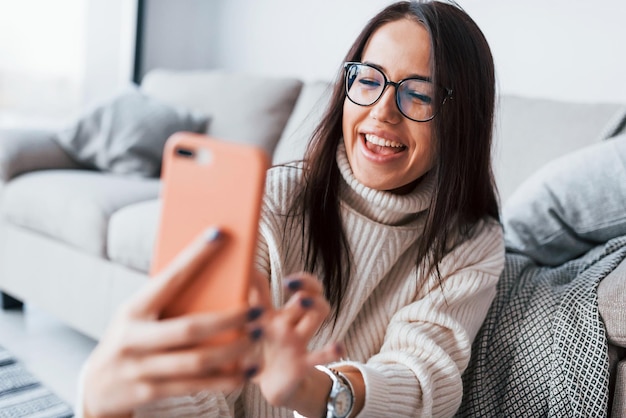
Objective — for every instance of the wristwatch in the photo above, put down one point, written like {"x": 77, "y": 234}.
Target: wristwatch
{"x": 341, "y": 397}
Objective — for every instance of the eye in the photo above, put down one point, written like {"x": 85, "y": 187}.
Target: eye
{"x": 419, "y": 97}
{"x": 416, "y": 92}
{"x": 369, "y": 83}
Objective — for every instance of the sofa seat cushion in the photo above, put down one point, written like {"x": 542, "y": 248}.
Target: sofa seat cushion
{"x": 72, "y": 206}
{"x": 132, "y": 233}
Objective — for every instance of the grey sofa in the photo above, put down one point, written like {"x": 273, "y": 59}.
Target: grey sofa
{"x": 76, "y": 242}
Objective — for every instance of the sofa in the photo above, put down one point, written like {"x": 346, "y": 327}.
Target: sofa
{"x": 76, "y": 239}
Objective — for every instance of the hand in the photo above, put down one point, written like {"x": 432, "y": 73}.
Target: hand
{"x": 141, "y": 358}
{"x": 289, "y": 367}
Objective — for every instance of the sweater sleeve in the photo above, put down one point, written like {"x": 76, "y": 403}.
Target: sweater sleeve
{"x": 427, "y": 344}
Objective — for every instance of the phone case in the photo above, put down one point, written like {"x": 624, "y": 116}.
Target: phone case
{"x": 209, "y": 182}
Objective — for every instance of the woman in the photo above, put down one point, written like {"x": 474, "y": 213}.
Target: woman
{"x": 394, "y": 209}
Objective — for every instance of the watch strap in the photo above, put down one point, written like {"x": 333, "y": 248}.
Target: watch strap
{"x": 339, "y": 382}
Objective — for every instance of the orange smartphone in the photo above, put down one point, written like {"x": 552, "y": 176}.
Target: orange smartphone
{"x": 209, "y": 182}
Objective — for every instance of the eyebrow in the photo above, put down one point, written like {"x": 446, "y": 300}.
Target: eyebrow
{"x": 417, "y": 76}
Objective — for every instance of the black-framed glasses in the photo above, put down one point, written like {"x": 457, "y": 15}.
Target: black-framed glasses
{"x": 415, "y": 97}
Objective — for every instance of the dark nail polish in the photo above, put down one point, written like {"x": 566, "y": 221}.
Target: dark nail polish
{"x": 212, "y": 234}
{"x": 254, "y": 313}
{"x": 251, "y": 371}
{"x": 256, "y": 333}
{"x": 306, "y": 302}
{"x": 294, "y": 285}
{"x": 339, "y": 349}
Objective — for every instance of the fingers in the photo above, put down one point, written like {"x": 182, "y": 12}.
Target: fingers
{"x": 189, "y": 330}
{"x": 306, "y": 313}
{"x": 303, "y": 282}
{"x": 328, "y": 354}
{"x": 167, "y": 284}
{"x": 196, "y": 362}
{"x": 307, "y": 308}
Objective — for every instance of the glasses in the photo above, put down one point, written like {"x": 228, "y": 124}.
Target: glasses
{"x": 366, "y": 84}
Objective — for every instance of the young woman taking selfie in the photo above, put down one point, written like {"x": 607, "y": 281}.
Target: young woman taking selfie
{"x": 393, "y": 216}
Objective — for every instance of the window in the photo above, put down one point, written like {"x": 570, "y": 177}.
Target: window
{"x": 41, "y": 60}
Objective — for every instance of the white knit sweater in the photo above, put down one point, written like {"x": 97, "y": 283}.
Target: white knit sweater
{"x": 409, "y": 335}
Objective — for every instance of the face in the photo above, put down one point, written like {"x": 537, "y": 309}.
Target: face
{"x": 386, "y": 150}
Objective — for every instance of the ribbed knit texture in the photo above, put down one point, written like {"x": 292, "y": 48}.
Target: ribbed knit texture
{"x": 408, "y": 334}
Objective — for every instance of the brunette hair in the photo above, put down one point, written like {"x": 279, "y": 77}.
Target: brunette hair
{"x": 464, "y": 189}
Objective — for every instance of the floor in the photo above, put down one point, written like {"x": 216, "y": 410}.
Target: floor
{"x": 52, "y": 351}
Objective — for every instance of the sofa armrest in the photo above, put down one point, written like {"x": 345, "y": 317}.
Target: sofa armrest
{"x": 612, "y": 304}
{"x": 29, "y": 150}
{"x": 619, "y": 396}
{"x": 612, "y": 307}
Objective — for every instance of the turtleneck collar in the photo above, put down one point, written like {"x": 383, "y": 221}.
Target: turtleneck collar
{"x": 381, "y": 206}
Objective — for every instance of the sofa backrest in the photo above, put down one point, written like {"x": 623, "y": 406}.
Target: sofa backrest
{"x": 280, "y": 114}
{"x": 529, "y": 132}
{"x": 307, "y": 113}
{"x": 244, "y": 108}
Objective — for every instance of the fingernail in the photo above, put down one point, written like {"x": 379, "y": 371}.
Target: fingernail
{"x": 212, "y": 234}
{"x": 256, "y": 333}
{"x": 251, "y": 371}
{"x": 254, "y": 313}
{"x": 294, "y": 284}
{"x": 306, "y": 302}
{"x": 339, "y": 349}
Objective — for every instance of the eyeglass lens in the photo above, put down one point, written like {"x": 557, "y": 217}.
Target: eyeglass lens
{"x": 366, "y": 84}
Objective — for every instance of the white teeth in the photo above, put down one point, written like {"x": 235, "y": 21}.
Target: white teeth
{"x": 382, "y": 142}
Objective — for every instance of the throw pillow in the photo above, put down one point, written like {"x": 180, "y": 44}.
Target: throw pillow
{"x": 126, "y": 135}
{"x": 571, "y": 205}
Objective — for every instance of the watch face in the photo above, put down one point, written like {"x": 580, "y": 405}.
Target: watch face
{"x": 343, "y": 403}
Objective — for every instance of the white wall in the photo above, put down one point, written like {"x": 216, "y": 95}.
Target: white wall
{"x": 303, "y": 39}
{"x": 180, "y": 34}
{"x": 560, "y": 49}
{"x": 565, "y": 49}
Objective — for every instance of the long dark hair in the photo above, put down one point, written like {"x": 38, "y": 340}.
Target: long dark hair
{"x": 462, "y": 131}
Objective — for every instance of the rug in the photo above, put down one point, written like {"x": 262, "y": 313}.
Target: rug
{"x": 22, "y": 395}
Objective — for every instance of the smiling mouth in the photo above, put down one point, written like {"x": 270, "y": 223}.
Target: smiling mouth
{"x": 382, "y": 146}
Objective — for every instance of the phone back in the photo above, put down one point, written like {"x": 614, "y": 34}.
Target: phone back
{"x": 208, "y": 182}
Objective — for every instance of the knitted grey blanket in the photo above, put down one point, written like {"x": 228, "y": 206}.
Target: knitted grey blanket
{"x": 542, "y": 351}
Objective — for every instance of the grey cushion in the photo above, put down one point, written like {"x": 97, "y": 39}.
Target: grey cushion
{"x": 126, "y": 134}
{"x": 72, "y": 206}
{"x": 307, "y": 113}
{"x": 530, "y": 132}
{"x": 572, "y": 204}
{"x": 132, "y": 234}
{"x": 244, "y": 108}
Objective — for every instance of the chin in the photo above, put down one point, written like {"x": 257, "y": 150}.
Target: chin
{"x": 375, "y": 183}
{"x": 394, "y": 187}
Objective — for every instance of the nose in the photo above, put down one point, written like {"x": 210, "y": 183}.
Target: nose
{"x": 386, "y": 109}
